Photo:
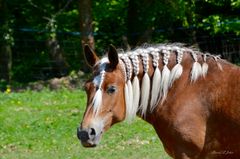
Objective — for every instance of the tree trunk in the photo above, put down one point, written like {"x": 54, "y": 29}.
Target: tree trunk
{"x": 58, "y": 62}
{"x": 132, "y": 22}
{"x": 86, "y": 28}
{"x": 5, "y": 44}
{"x": 5, "y": 62}
{"x": 86, "y": 23}
{"x": 139, "y": 31}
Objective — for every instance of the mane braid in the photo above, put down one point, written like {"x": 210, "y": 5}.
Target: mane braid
{"x": 204, "y": 65}
{"x": 156, "y": 89}
{"x": 218, "y": 64}
{"x": 135, "y": 87}
{"x": 165, "y": 74}
{"x": 145, "y": 86}
{"x": 125, "y": 87}
{"x": 128, "y": 88}
{"x": 177, "y": 70}
{"x": 196, "y": 68}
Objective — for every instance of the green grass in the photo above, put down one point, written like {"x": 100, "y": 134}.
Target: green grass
{"x": 43, "y": 125}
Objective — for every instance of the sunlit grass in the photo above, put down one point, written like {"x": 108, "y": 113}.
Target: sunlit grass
{"x": 43, "y": 125}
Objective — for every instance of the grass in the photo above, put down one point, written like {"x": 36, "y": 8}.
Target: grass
{"x": 43, "y": 125}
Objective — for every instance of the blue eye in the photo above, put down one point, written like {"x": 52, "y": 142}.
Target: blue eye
{"x": 111, "y": 89}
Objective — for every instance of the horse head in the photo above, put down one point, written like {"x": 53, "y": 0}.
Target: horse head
{"x": 105, "y": 96}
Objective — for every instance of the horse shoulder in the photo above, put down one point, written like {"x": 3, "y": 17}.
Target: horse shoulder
{"x": 183, "y": 124}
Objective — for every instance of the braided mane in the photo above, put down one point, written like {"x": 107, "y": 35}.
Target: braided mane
{"x": 138, "y": 95}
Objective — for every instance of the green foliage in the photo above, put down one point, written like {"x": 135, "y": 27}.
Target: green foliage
{"x": 3, "y": 85}
{"x": 235, "y": 3}
{"x": 216, "y": 24}
{"x": 153, "y": 21}
{"x": 109, "y": 22}
{"x": 7, "y": 21}
{"x": 68, "y": 20}
{"x": 7, "y": 32}
{"x": 43, "y": 125}
{"x": 223, "y": 16}
{"x": 31, "y": 67}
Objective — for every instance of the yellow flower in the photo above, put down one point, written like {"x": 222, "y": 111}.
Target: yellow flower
{"x": 8, "y": 90}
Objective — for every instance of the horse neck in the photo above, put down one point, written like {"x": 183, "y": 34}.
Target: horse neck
{"x": 151, "y": 73}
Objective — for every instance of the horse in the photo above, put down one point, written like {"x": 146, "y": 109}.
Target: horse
{"x": 192, "y": 99}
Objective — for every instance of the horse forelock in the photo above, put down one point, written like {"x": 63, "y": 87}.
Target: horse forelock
{"x": 97, "y": 81}
{"x": 137, "y": 94}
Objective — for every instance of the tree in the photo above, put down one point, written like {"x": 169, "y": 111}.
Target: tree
{"x": 139, "y": 24}
{"x": 221, "y": 16}
{"x": 6, "y": 42}
{"x": 153, "y": 20}
{"x": 59, "y": 63}
{"x": 49, "y": 17}
{"x": 86, "y": 23}
{"x": 41, "y": 38}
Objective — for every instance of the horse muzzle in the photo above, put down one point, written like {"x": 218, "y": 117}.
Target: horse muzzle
{"x": 88, "y": 137}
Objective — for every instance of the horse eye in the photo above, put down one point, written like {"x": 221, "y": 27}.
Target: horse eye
{"x": 111, "y": 89}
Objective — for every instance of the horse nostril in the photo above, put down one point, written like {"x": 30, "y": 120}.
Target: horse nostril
{"x": 92, "y": 132}
{"x": 82, "y": 135}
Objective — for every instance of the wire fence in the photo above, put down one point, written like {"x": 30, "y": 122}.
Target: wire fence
{"x": 228, "y": 46}
{"x": 31, "y": 58}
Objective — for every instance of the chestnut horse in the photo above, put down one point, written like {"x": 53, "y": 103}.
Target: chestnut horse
{"x": 191, "y": 99}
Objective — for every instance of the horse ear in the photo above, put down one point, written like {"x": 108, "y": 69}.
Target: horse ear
{"x": 90, "y": 56}
{"x": 113, "y": 56}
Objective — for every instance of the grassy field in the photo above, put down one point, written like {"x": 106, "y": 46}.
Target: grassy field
{"x": 43, "y": 125}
